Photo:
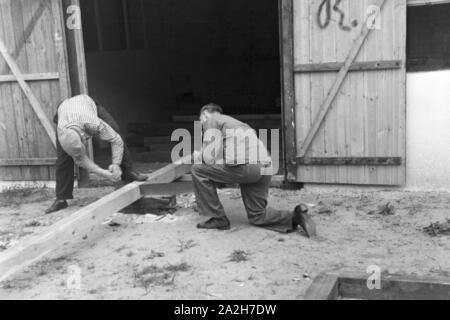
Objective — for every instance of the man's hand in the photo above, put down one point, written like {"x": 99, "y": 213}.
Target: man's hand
{"x": 106, "y": 174}
{"x": 116, "y": 172}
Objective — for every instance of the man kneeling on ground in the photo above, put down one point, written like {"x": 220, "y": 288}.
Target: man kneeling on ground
{"x": 79, "y": 119}
{"x": 231, "y": 160}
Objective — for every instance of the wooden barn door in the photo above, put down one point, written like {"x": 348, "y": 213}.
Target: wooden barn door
{"x": 33, "y": 81}
{"x": 345, "y": 104}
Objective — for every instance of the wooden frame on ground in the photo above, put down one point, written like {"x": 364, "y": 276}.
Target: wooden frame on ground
{"x": 353, "y": 286}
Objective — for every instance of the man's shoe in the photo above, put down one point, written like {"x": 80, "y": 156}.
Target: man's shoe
{"x": 57, "y": 206}
{"x": 215, "y": 223}
{"x": 134, "y": 176}
{"x": 303, "y": 219}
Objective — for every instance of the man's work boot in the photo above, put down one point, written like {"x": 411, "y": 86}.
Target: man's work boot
{"x": 57, "y": 206}
{"x": 215, "y": 223}
{"x": 132, "y": 176}
{"x": 303, "y": 219}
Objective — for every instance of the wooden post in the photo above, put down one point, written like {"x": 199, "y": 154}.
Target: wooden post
{"x": 287, "y": 84}
{"x": 78, "y": 74}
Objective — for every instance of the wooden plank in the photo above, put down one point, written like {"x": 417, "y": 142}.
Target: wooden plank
{"x": 356, "y": 66}
{"x": 27, "y": 162}
{"x": 68, "y": 229}
{"x": 325, "y": 107}
{"x": 394, "y": 287}
{"x": 31, "y": 77}
{"x": 288, "y": 87}
{"x": 303, "y": 82}
{"x": 79, "y": 224}
{"x": 29, "y": 94}
{"x": 16, "y": 135}
{"x": 324, "y": 287}
{"x": 350, "y": 161}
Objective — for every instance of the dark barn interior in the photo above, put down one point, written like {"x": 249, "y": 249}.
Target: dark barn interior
{"x": 154, "y": 63}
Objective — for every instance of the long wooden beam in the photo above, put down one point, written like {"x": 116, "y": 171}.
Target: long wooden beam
{"x": 342, "y": 75}
{"x": 79, "y": 224}
{"x": 348, "y": 285}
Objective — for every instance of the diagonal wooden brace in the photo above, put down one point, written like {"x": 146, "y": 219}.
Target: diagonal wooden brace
{"x": 28, "y": 93}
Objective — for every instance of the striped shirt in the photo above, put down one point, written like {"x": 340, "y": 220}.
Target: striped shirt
{"x": 80, "y": 113}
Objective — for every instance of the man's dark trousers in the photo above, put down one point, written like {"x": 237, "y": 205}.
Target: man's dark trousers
{"x": 65, "y": 173}
{"x": 254, "y": 189}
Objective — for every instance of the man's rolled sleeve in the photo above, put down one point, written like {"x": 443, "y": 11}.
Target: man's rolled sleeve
{"x": 106, "y": 133}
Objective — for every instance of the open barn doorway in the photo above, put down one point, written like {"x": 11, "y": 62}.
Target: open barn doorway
{"x": 154, "y": 63}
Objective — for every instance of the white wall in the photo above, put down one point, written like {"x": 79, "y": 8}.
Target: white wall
{"x": 428, "y": 130}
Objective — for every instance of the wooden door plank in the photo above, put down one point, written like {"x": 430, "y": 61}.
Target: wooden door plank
{"x": 41, "y": 56}
{"x": 71, "y": 228}
{"x": 325, "y": 107}
{"x": 394, "y": 287}
{"x": 29, "y": 94}
{"x": 59, "y": 39}
{"x": 31, "y": 77}
{"x": 350, "y": 161}
{"x": 12, "y": 20}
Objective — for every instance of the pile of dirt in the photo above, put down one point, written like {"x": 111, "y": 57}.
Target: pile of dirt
{"x": 384, "y": 210}
{"x": 438, "y": 229}
{"x": 18, "y": 196}
{"x": 153, "y": 275}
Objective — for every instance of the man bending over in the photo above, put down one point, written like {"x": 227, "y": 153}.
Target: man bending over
{"x": 79, "y": 119}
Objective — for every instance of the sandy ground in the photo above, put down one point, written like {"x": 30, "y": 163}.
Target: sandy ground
{"x": 166, "y": 257}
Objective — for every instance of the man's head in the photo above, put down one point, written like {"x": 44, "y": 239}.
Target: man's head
{"x": 72, "y": 143}
{"x": 209, "y": 110}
